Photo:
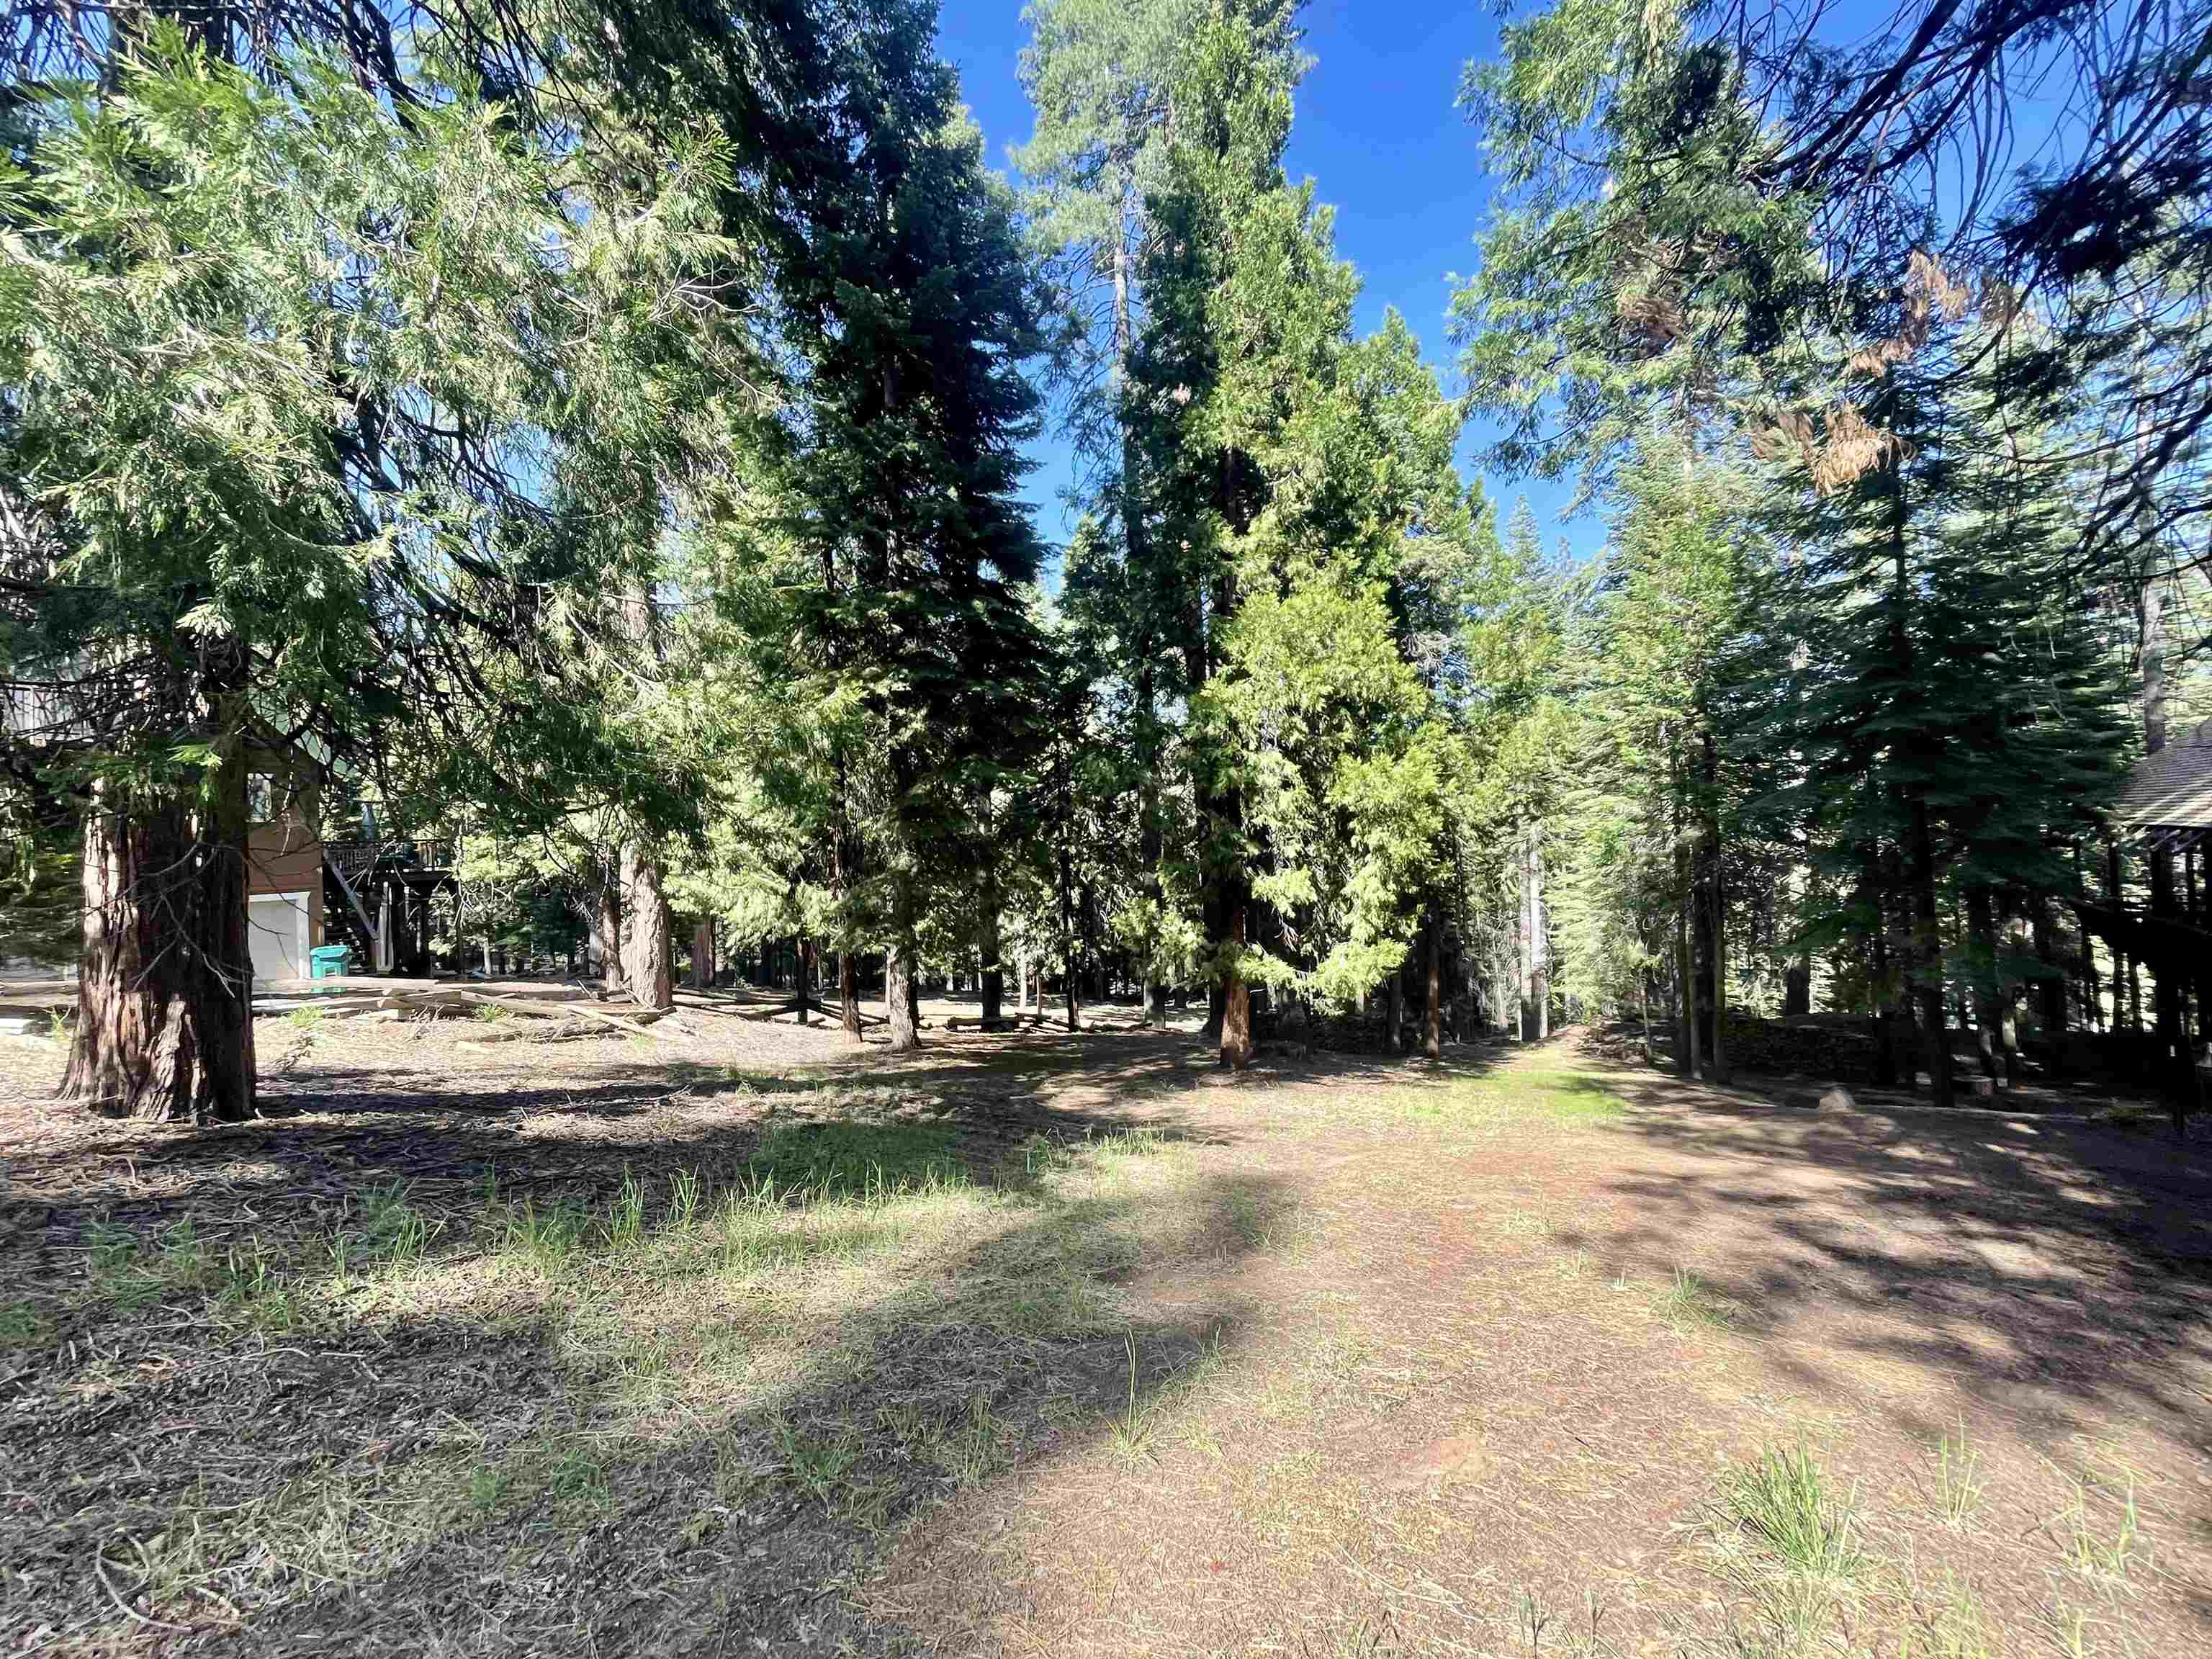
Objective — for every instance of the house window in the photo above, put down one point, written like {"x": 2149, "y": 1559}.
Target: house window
{"x": 260, "y": 797}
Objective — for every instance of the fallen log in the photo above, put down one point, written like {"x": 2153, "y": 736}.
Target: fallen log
{"x": 568, "y": 1030}
{"x": 332, "y": 1007}
{"x": 426, "y": 1001}
{"x": 636, "y": 1019}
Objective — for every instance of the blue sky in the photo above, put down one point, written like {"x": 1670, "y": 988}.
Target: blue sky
{"x": 1377, "y": 133}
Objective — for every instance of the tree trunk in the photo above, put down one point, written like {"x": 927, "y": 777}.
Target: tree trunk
{"x": 2150, "y": 598}
{"x": 1716, "y": 907}
{"x": 1797, "y": 987}
{"x": 2168, "y": 1001}
{"x": 702, "y": 956}
{"x": 1901, "y": 1026}
{"x": 1394, "y": 1008}
{"x": 2193, "y": 871}
{"x": 848, "y": 994}
{"x": 2123, "y": 969}
{"x": 1989, "y": 1017}
{"x": 1432, "y": 953}
{"x": 1136, "y": 562}
{"x": 2051, "y": 984}
{"x": 165, "y": 985}
{"x": 1926, "y": 963}
{"x": 1887, "y": 986}
{"x": 646, "y": 975}
{"x": 1525, "y": 935}
{"x": 1686, "y": 1013}
{"x": 1067, "y": 932}
{"x": 994, "y": 972}
{"x": 2168, "y": 997}
{"x": 1236, "y": 994}
{"x": 901, "y": 1000}
{"x": 1540, "y": 935}
{"x": 898, "y": 997}
{"x": 2093, "y": 991}
{"x": 1094, "y": 959}
{"x": 608, "y": 932}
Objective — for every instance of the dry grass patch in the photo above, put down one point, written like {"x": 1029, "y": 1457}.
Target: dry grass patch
{"x": 851, "y": 1325}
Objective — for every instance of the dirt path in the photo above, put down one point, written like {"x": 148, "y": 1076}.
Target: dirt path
{"x": 740, "y": 1341}
{"x": 1484, "y": 1381}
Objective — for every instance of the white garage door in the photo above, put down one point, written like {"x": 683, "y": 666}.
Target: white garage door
{"x": 276, "y": 927}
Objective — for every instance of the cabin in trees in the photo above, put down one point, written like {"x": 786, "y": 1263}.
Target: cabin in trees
{"x": 378, "y": 892}
{"x": 284, "y": 866}
{"x": 303, "y": 890}
{"x": 2168, "y": 803}
{"x": 2164, "y": 820}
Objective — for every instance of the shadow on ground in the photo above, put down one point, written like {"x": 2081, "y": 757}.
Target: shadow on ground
{"x": 2047, "y": 1266}
{"x": 493, "y": 1463}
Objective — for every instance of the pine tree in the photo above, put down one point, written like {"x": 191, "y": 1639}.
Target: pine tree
{"x": 1104, "y": 79}
{"x": 912, "y": 323}
{"x": 1952, "y": 705}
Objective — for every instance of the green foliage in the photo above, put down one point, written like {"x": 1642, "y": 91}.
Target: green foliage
{"x": 303, "y": 468}
{"x": 1782, "y": 1502}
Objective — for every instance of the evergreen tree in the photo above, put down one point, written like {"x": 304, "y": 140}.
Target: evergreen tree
{"x": 1953, "y": 707}
{"x": 910, "y": 323}
{"x": 1104, "y": 80}
{"x": 288, "y": 470}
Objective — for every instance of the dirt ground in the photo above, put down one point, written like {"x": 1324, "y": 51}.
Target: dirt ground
{"x": 731, "y": 1339}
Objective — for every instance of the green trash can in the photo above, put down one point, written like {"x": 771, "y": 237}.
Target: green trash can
{"x": 327, "y": 962}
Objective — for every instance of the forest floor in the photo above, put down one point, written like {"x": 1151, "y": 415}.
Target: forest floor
{"x": 730, "y": 1339}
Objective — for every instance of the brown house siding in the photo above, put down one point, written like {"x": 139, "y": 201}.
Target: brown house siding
{"x": 285, "y": 855}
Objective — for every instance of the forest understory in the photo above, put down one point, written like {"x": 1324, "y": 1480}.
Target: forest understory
{"x": 731, "y": 1339}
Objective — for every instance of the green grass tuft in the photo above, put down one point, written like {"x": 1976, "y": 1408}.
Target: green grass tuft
{"x": 874, "y": 1163}
{"x": 550, "y": 1234}
{"x": 1782, "y": 1503}
{"x": 23, "y": 1325}
{"x": 625, "y": 1224}
{"x": 134, "y": 1271}
{"x": 253, "y": 1287}
{"x": 1688, "y": 1300}
{"x": 1958, "y": 1483}
{"x": 2106, "y": 1550}
{"x": 1133, "y": 1425}
{"x": 1518, "y": 1096}
{"x": 684, "y": 1196}
{"x": 819, "y": 1462}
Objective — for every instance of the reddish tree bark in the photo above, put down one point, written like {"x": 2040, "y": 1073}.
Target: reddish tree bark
{"x": 165, "y": 987}
{"x": 1236, "y": 996}
{"x": 702, "y": 956}
{"x": 1432, "y": 1026}
{"x": 848, "y": 994}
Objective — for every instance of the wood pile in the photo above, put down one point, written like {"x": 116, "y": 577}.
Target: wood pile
{"x": 558, "y": 1012}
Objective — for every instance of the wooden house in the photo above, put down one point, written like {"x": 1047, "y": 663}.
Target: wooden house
{"x": 284, "y": 873}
